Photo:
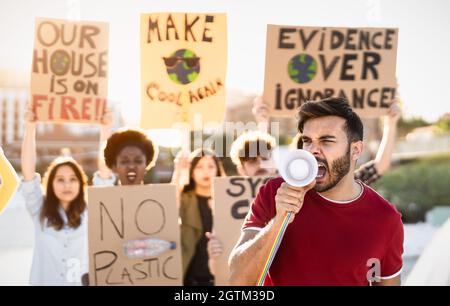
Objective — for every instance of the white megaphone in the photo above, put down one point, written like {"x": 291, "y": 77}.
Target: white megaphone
{"x": 298, "y": 167}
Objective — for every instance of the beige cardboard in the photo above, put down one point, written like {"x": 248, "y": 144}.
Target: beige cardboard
{"x": 166, "y": 101}
{"x": 232, "y": 199}
{"x": 121, "y": 213}
{"x": 371, "y": 71}
{"x": 69, "y": 79}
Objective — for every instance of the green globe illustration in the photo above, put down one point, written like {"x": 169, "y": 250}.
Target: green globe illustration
{"x": 60, "y": 62}
{"x": 302, "y": 68}
{"x": 183, "y": 66}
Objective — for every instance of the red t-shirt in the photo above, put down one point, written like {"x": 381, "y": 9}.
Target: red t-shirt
{"x": 331, "y": 243}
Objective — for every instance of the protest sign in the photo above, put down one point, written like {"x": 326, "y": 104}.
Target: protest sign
{"x": 183, "y": 68}
{"x": 233, "y": 197}
{"x": 120, "y": 214}
{"x": 69, "y": 79}
{"x": 312, "y": 63}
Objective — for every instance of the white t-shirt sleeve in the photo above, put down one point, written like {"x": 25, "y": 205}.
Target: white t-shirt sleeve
{"x": 33, "y": 194}
{"x": 98, "y": 181}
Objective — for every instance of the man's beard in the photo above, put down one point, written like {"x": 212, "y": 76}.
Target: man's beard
{"x": 339, "y": 168}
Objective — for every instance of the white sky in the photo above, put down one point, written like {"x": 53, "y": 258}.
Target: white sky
{"x": 423, "y": 54}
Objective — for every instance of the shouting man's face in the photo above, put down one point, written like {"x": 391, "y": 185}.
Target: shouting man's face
{"x": 326, "y": 138}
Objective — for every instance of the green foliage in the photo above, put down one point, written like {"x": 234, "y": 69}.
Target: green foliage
{"x": 407, "y": 125}
{"x": 444, "y": 123}
{"x": 417, "y": 186}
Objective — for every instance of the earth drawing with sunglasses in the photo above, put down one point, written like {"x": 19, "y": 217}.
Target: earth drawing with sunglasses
{"x": 183, "y": 66}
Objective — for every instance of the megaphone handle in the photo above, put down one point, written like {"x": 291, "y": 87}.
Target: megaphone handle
{"x": 274, "y": 249}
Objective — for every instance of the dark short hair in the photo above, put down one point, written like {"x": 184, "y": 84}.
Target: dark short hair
{"x": 332, "y": 107}
{"x": 133, "y": 138}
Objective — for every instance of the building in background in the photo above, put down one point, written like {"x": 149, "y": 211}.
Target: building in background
{"x": 80, "y": 139}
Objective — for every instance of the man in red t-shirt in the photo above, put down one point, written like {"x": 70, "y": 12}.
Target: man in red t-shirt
{"x": 342, "y": 231}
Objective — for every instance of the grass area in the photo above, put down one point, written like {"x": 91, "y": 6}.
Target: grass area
{"x": 416, "y": 186}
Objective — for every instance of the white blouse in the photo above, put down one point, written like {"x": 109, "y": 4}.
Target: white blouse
{"x": 60, "y": 257}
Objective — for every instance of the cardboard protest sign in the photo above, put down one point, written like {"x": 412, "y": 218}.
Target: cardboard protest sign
{"x": 232, "y": 199}
{"x": 9, "y": 181}
{"x": 120, "y": 214}
{"x": 183, "y": 68}
{"x": 312, "y": 63}
{"x": 69, "y": 79}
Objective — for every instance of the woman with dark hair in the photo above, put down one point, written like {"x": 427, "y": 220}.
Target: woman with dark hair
{"x": 58, "y": 212}
{"x": 126, "y": 155}
{"x": 196, "y": 216}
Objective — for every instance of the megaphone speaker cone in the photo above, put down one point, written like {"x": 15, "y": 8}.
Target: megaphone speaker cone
{"x": 298, "y": 169}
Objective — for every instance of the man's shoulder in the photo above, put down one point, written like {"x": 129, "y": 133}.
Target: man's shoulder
{"x": 384, "y": 208}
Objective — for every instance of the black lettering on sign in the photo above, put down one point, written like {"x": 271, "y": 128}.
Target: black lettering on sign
{"x": 58, "y": 86}
{"x": 62, "y": 63}
{"x": 306, "y": 40}
{"x": 166, "y": 275}
{"x": 370, "y": 61}
{"x": 153, "y": 26}
{"x": 109, "y": 264}
{"x": 87, "y": 87}
{"x": 119, "y": 275}
{"x": 87, "y": 32}
{"x": 239, "y": 210}
{"x": 126, "y": 274}
{"x": 43, "y": 60}
{"x": 364, "y": 40}
{"x": 192, "y": 30}
{"x": 349, "y": 44}
{"x": 327, "y": 69}
{"x": 149, "y": 267}
{"x": 236, "y": 212}
{"x": 385, "y": 97}
{"x": 282, "y": 37}
{"x": 278, "y": 97}
{"x": 51, "y": 29}
{"x": 370, "y": 100}
{"x": 64, "y": 40}
{"x": 171, "y": 26}
{"x": 337, "y": 39}
{"x": 254, "y": 182}
{"x": 292, "y": 98}
{"x": 208, "y": 19}
{"x": 290, "y": 103}
{"x": 136, "y": 267}
{"x": 236, "y": 181}
{"x": 322, "y": 39}
{"x": 103, "y": 210}
{"x": 188, "y": 27}
{"x": 146, "y": 210}
{"x": 328, "y": 92}
{"x": 55, "y": 33}
{"x": 358, "y": 98}
{"x": 375, "y": 44}
{"x": 388, "y": 39}
{"x": 346, "y": 66}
